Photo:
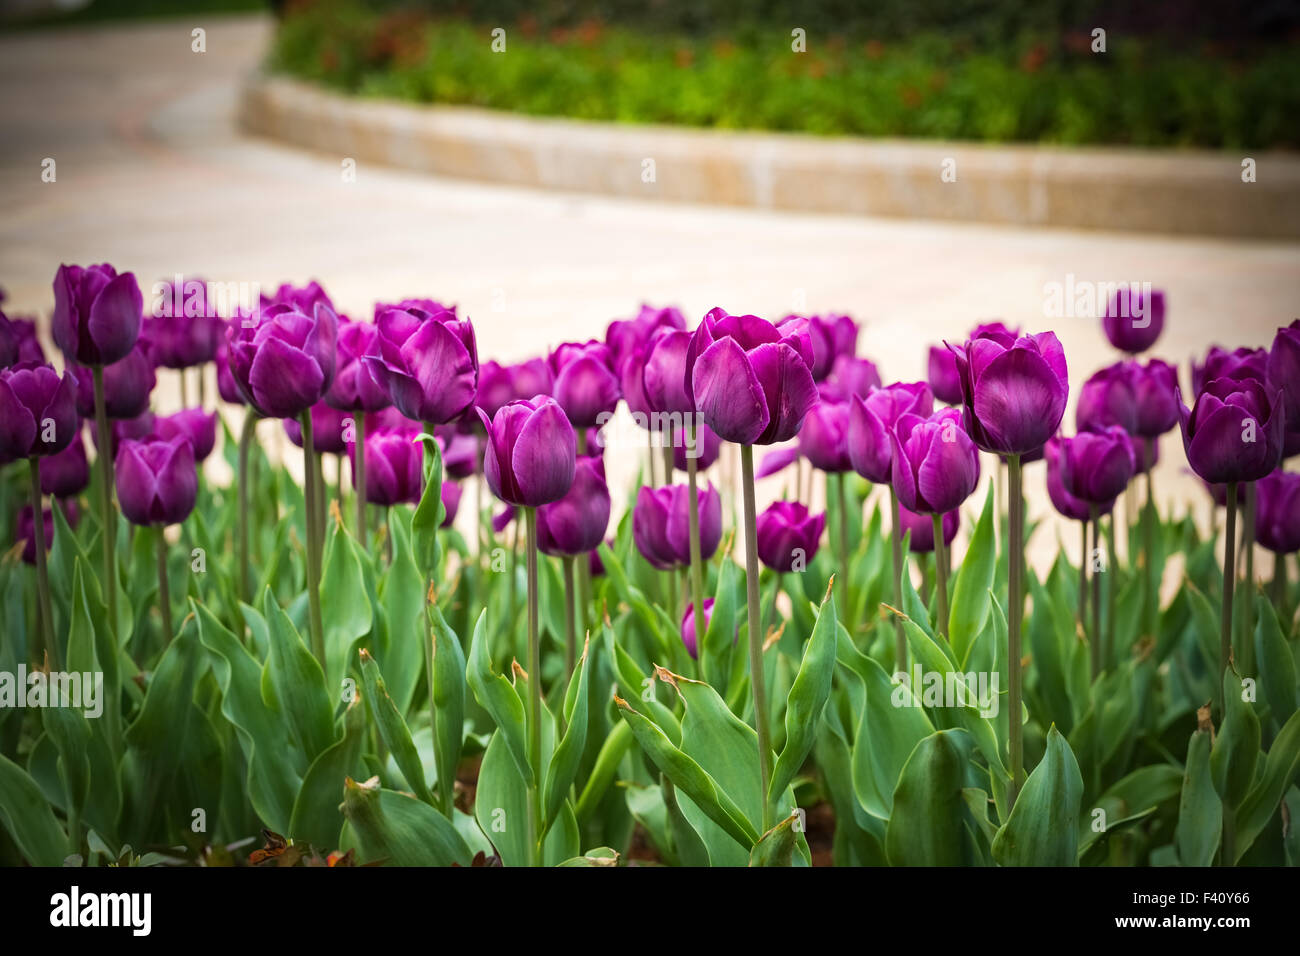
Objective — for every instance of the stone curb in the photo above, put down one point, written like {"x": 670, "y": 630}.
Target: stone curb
{"x": 1112, "y": 189}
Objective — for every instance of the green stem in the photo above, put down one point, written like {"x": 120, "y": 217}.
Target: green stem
{"x": 359, "y": 476}
{"x": 941, "y": 565}
{"x": 313, "y": 493}
{"x": 757, "y": 679}
{"x": 164, "y": 588}
{"x": 1083, "y": 576}
{"x": 896, "y": 544}
{"x": 246, "y": 435}
{"x": 1112, "y": 585}
{"x": 651, "y": 480}
{"x": 1279, "y": 584}
{"x": 667, "y": 453}
{"x": 203, "y": 387}
{"x": 841, "y": 503}
{"x": 535, "y": 823}
{"x": 1229, "y": 579}
{"x": 107, "y": 513}
{"x": 1016, "y": 567}
{"x": 1248, "y": 543}
{"x": 1150, "y": 599}
{"x": 570, "y": 603}
{"x": 1095, "y": 637}
{"x": 43, "y": 603}
{"x": 697, "y": 559}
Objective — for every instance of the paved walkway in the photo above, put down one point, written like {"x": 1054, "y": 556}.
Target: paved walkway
{"x": 153, "y": 176}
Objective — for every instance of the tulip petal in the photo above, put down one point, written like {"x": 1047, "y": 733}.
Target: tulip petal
{"x": 728, "y": 395}
{"x": 789, "y": 389}
{"x": 285, "y": 381}
{"x": 543, "y": 456}
{"x": 115, "y": 316}
{"x": 1018, "y": 400}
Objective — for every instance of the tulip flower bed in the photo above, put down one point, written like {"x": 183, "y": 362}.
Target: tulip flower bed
{"x": 458, "y": 652}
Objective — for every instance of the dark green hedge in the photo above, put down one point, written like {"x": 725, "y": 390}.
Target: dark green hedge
{"x": 930, "y": 85}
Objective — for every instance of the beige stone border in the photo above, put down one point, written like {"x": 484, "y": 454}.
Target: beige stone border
{"x": 1113, "y": 189}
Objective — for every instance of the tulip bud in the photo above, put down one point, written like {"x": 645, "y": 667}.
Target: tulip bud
{"x": 531, "y": 452}
{"x": 1013, "y": 395}
{"x": 1235, "y": 430}
{"x": 661, "y": 524}
{"x": 283, "y": 361}
{"x": 1277, "y": 512}
{"x": 156, "y": 480}
{"x": 576, "y": 523}
{"x": 428, "y": 362}
{"x": 935, "y": 465}
{"x": 788, "y": 536}
{"x": 38, "y": 411}
{"x": 97, "y": 313}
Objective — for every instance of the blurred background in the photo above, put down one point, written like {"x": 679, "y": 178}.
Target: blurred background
{"x": 154, "y": 173}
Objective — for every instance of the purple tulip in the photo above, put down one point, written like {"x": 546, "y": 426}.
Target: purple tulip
{"x": 226, "y": 384}
{"x": 1239, "y": 364}
{"x": 624, "y": 336}
{"x": 586, "y": 385}
{"x": 1235, "y": 430}
{"x": 531, "y": 453}
{"x": 460, "y": 452}
{"x": 500, "y": 384}
{"x": 1132, "y": 320}
{"x": 38, "y": 411}
{"x": 688, "y": 625}
{"x": 428, "y": 362}
{"x": 66, "y": 473}
{"x": 750, "y": 382}
{"x": 142, "y": 426}
{"x": 283, "y": 360}
{"x": 1108, "y": 398}
{"x": 997, "y": 331}
{"x": 1284, "y": 374}
{"x": 788, "y": 536}
{"x": 1155, "y": 386}
{"x": 1277, "y": 512}
{"x": 1096, "y": 466}
{"x": 660, "y": 524}
{"x": 665, "y": 373}
{"x": 832, "y": 337}
{"x": 1067, "y": 504}
{"x": 706, "y": 449}
{"x": 850, "y": 376}
{"x": 97, "y": 313}
{"x": 18, "y": 341}
{"x": 451, "y": 494}
{"x": 922, "y": 529}
{"x": 823, "y": 440}
{"x": 127, "y": 384}
{"x": 184, "y": 329}
{"x": 576, "y": 523}
{"x": 873, "y": 418}
{"x": 394, "y": 467}
{"x": 354, "y": 388}
{"x": 1013, "y": 396}
{"x": 302, "y": 299}
{"x": 156, "y": 480}
{"x": 944, "y": 380}
{"x": 432, "y": 306}
{"x": 25, "y": 531}
{"x": 330, "y": 433}
{"x": 198, "y": 426}
{"x": 935, "y": 464}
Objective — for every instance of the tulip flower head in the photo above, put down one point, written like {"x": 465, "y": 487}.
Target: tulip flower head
{"x": 1013, "y": 396}
{"x": 660, "y": 524}
{"x": 394, "y": 463}
{"x": 67, "y": 472}
{"x": 25, "y": 530}
{"x": 832, "y": 337}
{"x": 788, "y": 536}
{"x": 1277, "y": 512}
{"x": 1283, "y": 370}
{"x": 97, "y": 313}
{"x": 531, "y": 453}
{"x": 330, "y": 433}
{"x": 921, "y": 527}
{"x": 283, "y": 360}
{"x": 198, "y": 426}
{"x": 586, "y": 385}
{"x": 1109, "y": 397}
{"x": 1096, "y": 466}
{"x": 935, "y": 464}
{"x": 823, "y": 440}
{"x": 354, "y": 389}
{"x": 428, "y": 362}
{"x": 38, "y": 411}
{"x": 576, "y": 523}
{"x": 156, "y": 480}
{"x": 750, "y": 382}
{"x": 871, "y": 420}
{"x": 128, "y": 384}
{"x": 1234, "y": 431}
{"x": 1155, "y": 387}
{"x": 1134, "y": 318}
